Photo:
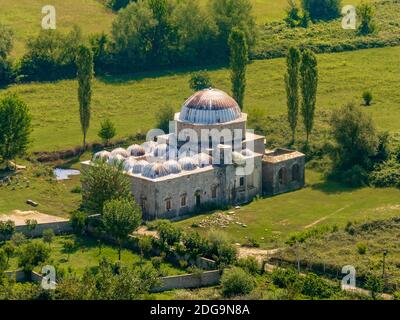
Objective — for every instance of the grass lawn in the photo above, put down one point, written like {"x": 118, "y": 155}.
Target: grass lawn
{"x": 86, "y": 255}
{"x": 271, "y": 220}
{"x": 25, "y": 18}
{"x": 133, "y": 102}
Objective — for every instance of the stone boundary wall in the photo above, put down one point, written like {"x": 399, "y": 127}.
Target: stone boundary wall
{"x": 189, "y": 281}
{"x": 58, "y": 228}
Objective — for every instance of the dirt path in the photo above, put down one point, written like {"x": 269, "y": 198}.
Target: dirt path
{"x": 259, "y": 254}
{"x": 324, "y": 218}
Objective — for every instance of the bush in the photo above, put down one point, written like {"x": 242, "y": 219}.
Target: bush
{"x": 366, "y": 13}
{"x": 199, "y": 81}
{"x": 236, "y": 281}
{"x": 386, "y": 174}
{"x": 316, "y": 287}
{"x": 249, "y": 264}
{"x": 361, "y": 248}
{"x": 156, "y": 262}
{"x": 252, "y": 243}
{"x": 285, "y": 278}
{"x": 374, "y": 283}
{"x": 367, "y": 97}
{"x": 32, "y": 255}
{"x": 169, "y": 233}
{"x": 322, "y": 9}
{"x": 78, "y": 222}
{"x": 107, "y": 131}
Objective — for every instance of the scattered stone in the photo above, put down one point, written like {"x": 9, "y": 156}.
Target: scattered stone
{"x": 32, "y": 203}
{"x": 244, "y": 225}
{"x": 231, "y": 212}
{"x": 237, "y": 207}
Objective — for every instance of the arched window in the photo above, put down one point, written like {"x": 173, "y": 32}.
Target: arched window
{"x": 282, "y": 176}
{"x": 214, "y": 192}
{"x": 183, "y": 200}
{"x": 198, "y": 198}
{"x": 168, "y": 204}
{"x": 296, "y": 172}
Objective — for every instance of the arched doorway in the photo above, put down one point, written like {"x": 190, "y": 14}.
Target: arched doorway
{"x": 282, "y": 176}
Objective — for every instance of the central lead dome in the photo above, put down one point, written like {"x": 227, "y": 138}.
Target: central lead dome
{"x": 210, "y": 106}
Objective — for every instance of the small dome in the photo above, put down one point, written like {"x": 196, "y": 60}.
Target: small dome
{"x": 120, "y": 151}
{"x": 173, "y": 166}
{"x": 102, "y": 155}
{"x": 115, "y": 159}
{"x": 154, "y": 171}
{"x": 129, "y": 164}
{"x": 137, "y": 168}
{"x": 247, "y": 153}
{"x": 210, "y": 106}
{"x": 136, "y": 150}
{"x": 203, "y": 160}
{"x": 238, "y": 158}
{"x": 188, "y": 164}
{"x": 149, "y": 146}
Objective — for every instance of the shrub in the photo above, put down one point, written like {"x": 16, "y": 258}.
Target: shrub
{"x": 322, "y": 9}
{"x": 252, "y": 243}
{"x": 169, "y": 233}
{"x": 107, "y": 131}
{"x": 367, "y": 97}
{"x": 156, "y": 262}
{"x": 78, "y": 222}
{"x": 199, "y": 81}
{"x": 285, "y": 278}
{"x": 236, "y": 281}
{"x": 76, "y": 189}
{"x": 361, "y": 248}
{"x": 164, "y": 116}
{"x": 7, "y": 229}
{"x": 386, "y": 174}
{"x": 374, "y": 283}
{"x": 226, "y": 254}
{"x": 366, "y": 13}
{"x": 18, "y": 239}
{"x": 249, "y": 264}
{"x": 32, "y": 255}
{"x": 316, "y": 287}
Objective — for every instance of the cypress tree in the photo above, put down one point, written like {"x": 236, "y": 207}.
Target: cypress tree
{"x": 292, "y": 88}
{"x": 309, "y": 85}
{"x": 238, "y": 61}
{"x": 84, "y": 61}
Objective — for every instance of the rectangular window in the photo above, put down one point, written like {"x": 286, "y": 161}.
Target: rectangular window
{"x": 214, "y": 192}
{"x": 168, "y": 205}
{"x": 183, "y": 201}
{"x": 241, "y": 181}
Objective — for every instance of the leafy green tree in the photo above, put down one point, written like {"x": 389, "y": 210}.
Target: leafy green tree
{"x": 121, "y": 217}
{"x": 78, "y": 222}
{"x": 9, "y": 250}
{"x": 145, "y": 246}
{"x": 84, "y": 62}
{"x": 107, "y": 131}
{"x": 200, "y": 80}
{"x": 15, "y": 127}
{"x": 356, "y": 140}
{"x": 292, "y": 88}
{"x": 18, "y": 239}
{"x": 48, "y": 236}
{"x": 293, "y": 17}
{"x": 103, "y": 182}
{"x": 169, "y": 233}
{"x": 367, "y": 97}
{"x": 308, "y": 85}
{"x": 229, "y": 15}
{"x": 322, "y": 9}
{"x": 236, "y": 281}
{"x": 374, "y": 284}
{"x": 32, "y": 255}
{"x": 316, "y": 287}
{"x": 6, "y": 45}
{"x": 69, "y": 247}
{"x": 31, "y": 225}
{"x": 239, "y": 59}
{"x": 3, "y": 261}
{"x": 366, "y": 14}
{"x": 7, "y": 229}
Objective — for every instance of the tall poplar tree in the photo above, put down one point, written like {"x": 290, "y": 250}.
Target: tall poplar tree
{"x": 309, "y": 85}
{"x": 84, "y": 61}
{"x": 292, "y": 88}
{"x": 239, "y": 59}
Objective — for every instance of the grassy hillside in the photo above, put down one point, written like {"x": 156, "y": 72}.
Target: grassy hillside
{"x": 270, "y": 221}
{"x": 133, "y": 103}
{"x": 25, "y": 17}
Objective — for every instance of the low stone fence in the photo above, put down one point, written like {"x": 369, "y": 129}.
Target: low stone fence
{"x": 189, "y": 281}
{"x": 60, "y": 227}
{"x": 22, "y": 276}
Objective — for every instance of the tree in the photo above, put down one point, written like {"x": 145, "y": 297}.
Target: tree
{"x": 31, "y": 225}
{"x": 293, "y": 17}
{"x": 103, "y": 182}
{"x": 32, "y": 255}
{"x": 107, "y": 131}
{"x": 3, "y": 261}
{"x": 7, "y": 228}
{"x": 15, "y": 127}
{"x": 374, "y": 284}
{"x": 6, "y": 44}
{"x": 322, "y": 9}
{"x": 292, "y": 88}
{"x": 169, "y": 233}
{"x": 121, "y": 217}
{"x": 366, "y": 14}
{"x": 9, "y": 250}
{"x": 18, "y": 239}
{"x": 308, "y": 85}
{"x": 236, "y": 281}
{"x": 239, "y": 58}
{"x": 356, "y": 140}
{"x": 145, "y": 246}
{"x": 200, "y": 80}
{"x": 164, "y": 116}
{"x": 84, "y": 62}
{"x": 229, "y": 15}
{"x": 69, "y": 246}
{"x": 48, "y": 236}
{"x": 316, "y": 287}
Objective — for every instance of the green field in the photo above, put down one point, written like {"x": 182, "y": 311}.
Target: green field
{"x": 25, "y": 18}
{"x": 271, "y": 220}
{"x": 87, "y": 255}
{"x": 132, "y": 102}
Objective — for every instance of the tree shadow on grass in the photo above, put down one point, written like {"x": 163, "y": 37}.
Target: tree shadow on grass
{"x": 333, "y": 187}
